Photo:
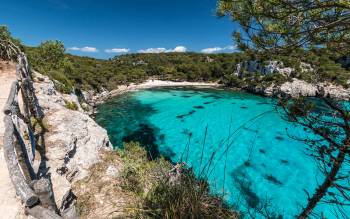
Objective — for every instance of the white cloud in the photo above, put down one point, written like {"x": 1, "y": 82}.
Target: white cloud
{"x": 218, "y": 49}
{"x": 117, "y": 50}
{"x": 212, "y": 50}
{"x": 83, "y": 49}
{"x": 180, "y": 49}
{"x": 74, "y": 48}
{"x": 152, "y": 50}
{"x": 163, "y": 50}
{"x": 230, "y": 47}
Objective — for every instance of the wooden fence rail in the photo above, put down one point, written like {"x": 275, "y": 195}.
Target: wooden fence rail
{"x": 35, "y": 193}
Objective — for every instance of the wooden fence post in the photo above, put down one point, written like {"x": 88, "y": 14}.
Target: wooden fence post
{"x": 22, "y": 188}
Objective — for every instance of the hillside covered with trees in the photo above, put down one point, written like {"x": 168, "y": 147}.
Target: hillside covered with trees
{"x": 89, "y": 73}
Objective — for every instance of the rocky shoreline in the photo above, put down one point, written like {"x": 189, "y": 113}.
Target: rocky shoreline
{"x": 299, "y": 88}
{"x": 93, "y": 98}
{"x": 293, "y": 88}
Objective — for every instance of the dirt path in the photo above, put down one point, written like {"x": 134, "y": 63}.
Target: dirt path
{"x": 10, "y": 206}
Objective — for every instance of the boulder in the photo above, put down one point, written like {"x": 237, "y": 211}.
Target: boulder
{"x": 302, "y": 88}
{"x": 298, "y": 88}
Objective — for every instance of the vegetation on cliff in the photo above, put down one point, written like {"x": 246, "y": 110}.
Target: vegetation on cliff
{"x": 8, "y": 45}
{"x": 143, "y": 188}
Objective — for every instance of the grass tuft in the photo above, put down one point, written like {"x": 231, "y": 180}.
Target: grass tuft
{"x": 71, "y": 105}
{"x": 168, "y": 191}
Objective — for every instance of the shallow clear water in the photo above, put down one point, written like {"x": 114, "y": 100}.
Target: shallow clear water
{"x": 262, "y": 164}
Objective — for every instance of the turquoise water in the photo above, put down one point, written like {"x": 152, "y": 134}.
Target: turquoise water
{"x": 263, "y": 167}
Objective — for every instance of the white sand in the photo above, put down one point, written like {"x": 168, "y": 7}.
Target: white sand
{"x": 158, "y": 83}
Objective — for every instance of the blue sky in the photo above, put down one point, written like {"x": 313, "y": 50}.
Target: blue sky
{"x": 105, "y": 28}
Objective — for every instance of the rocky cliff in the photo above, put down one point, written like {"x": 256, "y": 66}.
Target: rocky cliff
{"x": 72, "y": 140}
{"x": 297, "y": 88}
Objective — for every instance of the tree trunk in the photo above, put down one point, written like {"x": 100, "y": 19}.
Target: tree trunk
{"x": 322, "y": 189}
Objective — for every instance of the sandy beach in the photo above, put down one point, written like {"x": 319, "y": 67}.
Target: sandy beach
{"x": 159, "y": 83}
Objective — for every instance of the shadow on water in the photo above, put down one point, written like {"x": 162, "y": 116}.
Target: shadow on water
{"x": 135, "y": 125}
{"x": 256, "y": 206}
{"x": 251, "y": 130}
{"x": 263, "y": 151}
{"x": 187, "y": 114}
{"x": 186, "y": 96}
{"x": 146, "y": 136}
{"x": 279, "y": 138}
{"x": 273, "y": 179}
{"x": 243, "y": 183}
{"x": 214, "y": 96}
{"x": 199, "y": 107}
{"x": 284, "y": 161}
{"x": 208, "y": 102}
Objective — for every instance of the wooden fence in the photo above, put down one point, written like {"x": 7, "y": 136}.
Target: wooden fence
{"x": 36, "y": 193}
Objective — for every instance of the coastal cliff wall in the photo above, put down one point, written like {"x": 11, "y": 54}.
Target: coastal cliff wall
{"x": 73, "y": 141}
{"x": 300, "y": 88}
{"x": 294, "y": 87}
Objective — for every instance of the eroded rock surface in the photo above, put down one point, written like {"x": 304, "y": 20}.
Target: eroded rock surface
{"x": 267, "y": 68}
{"x": 297, "y": 88}
{"x": 302, "y": 88}
{"x": 73, "y": 140}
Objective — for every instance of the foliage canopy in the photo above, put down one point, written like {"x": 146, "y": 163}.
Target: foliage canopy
{"x": 284, "y": 25}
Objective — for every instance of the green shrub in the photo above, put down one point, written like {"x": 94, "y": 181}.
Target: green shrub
{"x": 232, "y": 81}
{"x": 168, "y": 191}
{"x": 8, "y": 44}
{"x": 71, "y": 105}
{"x": 186, "y": 197}
{"x": 277, "y": 79}
{"x": 62, "y": 83}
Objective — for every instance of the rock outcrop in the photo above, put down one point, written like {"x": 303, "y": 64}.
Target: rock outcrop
{"x": 264, "y": 69}
{"x": 269, "y": 67}
{"x": 293, "y": 88}
{"x": 297, "y": 88}
{"x": 302, "y": 88}
{"x": 73, "y": 140}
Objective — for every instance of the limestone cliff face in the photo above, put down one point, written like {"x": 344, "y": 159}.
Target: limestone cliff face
{"x": 301, "y": 88}
{"x": 297, "y": 88}
{"x": 264, "y": 69}
{"x": 73, "y": 140}
{"x": 293, "y": 88}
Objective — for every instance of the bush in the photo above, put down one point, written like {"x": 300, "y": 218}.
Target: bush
{"x": 50, "y": 55}
{"x": 168, "y": 191}
{"x": 62, "y": 83}
{"x": 8, "y": 45}
{"x": 71, "y": 105}
{"x": 276, "y": 78}
{"x": 233, "y": 81}
{"x": 185, "y": 197}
